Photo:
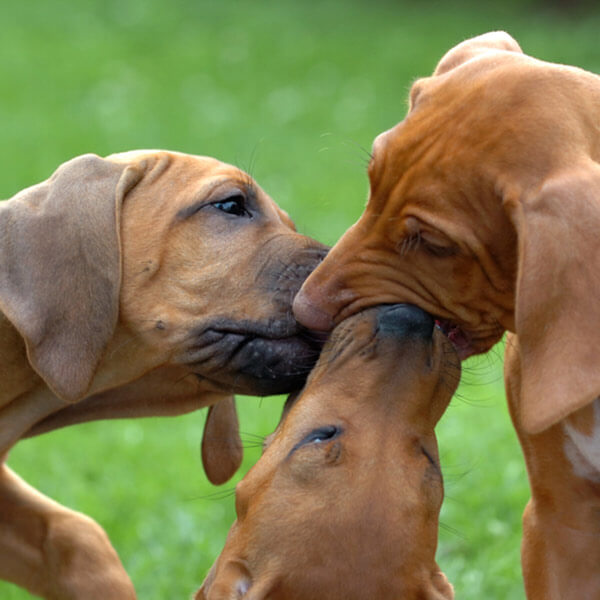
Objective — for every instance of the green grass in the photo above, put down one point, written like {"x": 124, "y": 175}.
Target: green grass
{"x": 294, "y": 92}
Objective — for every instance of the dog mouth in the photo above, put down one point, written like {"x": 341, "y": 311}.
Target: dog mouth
{"x": 469, "y": 342}
{"x": 459, "y": 338}
{"x": 252, "y": 358}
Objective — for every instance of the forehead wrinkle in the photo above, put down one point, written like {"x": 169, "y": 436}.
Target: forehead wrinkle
{"x": 410, "y": 156}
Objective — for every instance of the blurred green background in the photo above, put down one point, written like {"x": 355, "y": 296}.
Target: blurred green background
{"x": 294, "y": 92}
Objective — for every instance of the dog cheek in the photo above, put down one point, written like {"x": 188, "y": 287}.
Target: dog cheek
{"x": 309, "y": 469}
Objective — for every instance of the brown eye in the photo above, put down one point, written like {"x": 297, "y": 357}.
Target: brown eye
{"x": 235, "y": 205}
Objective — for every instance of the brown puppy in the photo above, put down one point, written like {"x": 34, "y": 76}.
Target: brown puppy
{"x": 484, "y": 209}
{"x": 344, "y": 502}
{"x": 146, "y": 283}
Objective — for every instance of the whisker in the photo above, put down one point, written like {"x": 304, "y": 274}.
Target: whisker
{"x": 365, "y": 154}
{"x": 256, "y": 436}
{"x": 452, "y": 530}
{"x": 215, "y": 496}
{"x": 252, "y": 445}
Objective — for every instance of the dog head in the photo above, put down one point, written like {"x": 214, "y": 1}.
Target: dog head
{"x": 155, "y": 282}
{"x": 210, "y": 268}
{"x": 184, "y": 256}
{"x": 344, "y": 502}
{"x": 483, "y": 204}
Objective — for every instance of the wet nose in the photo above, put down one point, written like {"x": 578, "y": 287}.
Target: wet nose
{"x": 405, "y": 320}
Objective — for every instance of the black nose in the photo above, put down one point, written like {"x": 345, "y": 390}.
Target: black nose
{"x": 404, "y": 320}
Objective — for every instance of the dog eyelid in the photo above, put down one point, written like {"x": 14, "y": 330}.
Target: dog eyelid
{"x": 433, "y": 241}
{"x": 317, "y": 436}
{"x": 440, "y": 251}
{"x": 230, "y": 200}
{"x": 322, "y": 434}
{"x": 233, "y": 205}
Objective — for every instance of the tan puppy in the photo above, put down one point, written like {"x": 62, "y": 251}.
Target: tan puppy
{"x": 484, "y": 210}
{"x": 344, "y": 502}
{"x": 146, "y": 283}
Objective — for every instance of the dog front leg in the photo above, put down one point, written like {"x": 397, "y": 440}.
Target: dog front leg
{"x": 54, "y": 552}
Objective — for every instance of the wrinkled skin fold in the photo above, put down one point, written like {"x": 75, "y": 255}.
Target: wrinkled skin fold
{"x": 484, "y": 209}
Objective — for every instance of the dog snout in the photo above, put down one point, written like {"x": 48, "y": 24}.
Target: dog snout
{"x": 309, "y": 313}
{"x": 405, "y": 320}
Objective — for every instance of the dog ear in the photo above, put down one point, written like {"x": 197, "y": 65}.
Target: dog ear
{"x": 494, "y": 40}
{"x": 557, "y": 313}
{"x": 61, "y": 269}
{"x": 222, "y": 450}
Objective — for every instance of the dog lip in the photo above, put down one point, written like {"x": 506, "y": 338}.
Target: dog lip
{"x": 459, "y": 338}
{"x": 467, "y": 343}
{"x": 272, "y": 330}
{"x": 285, "y": 329}
{"x": 274, "y": 365}
{"x": 256, "y": 358}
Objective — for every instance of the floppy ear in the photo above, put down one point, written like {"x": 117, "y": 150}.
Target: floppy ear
{"x": 60, "y": 268}
{"x": 494, "y": 40}
{"x": 557, "y": 311}
{"x": 222, "y": 450}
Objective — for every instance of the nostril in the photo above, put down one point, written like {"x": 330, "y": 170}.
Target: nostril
{"x": 405, "y": 320}
{"x": 310, "y": 315}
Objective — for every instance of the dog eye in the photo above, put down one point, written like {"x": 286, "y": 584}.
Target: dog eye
{"x": 317, "y": 436}
{"x": 437, "y": 243}
{"x": 440, "y": 251}
{"x": 234, "y": 205}
{"x": 322, "y": 434}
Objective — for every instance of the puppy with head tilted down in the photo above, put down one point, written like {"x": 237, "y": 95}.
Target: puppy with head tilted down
{"x": 344, "y": 502}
